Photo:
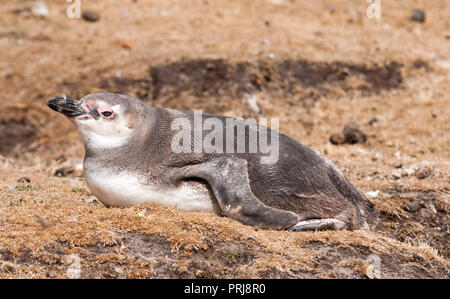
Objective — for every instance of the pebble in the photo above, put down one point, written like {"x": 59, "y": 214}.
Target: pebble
{"x": 351, "y": 134}
{"x": 337, "y": 139}
{"x": 90, "y": 200}
{"x": 126, "y": 44}
{"x": 411, "y": 170}
{"x": 418, "y": 15}
{"x": 397, "y": 173}
{"x": 373, "y": 122}
{"x": 24, "y": 180}
{"x": 373, "y": 193}
{"x": 90, "y": 16}
{"x": 34, "y": 9}
{"x": 423, "y": 173}
{"x": 64, "y": 171}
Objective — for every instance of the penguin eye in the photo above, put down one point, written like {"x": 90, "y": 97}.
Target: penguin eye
{"x": 107, "y": 113}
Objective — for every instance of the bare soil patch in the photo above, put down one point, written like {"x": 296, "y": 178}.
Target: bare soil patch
{"x": 220, "y": 78}
{"x": 16, "y": 133}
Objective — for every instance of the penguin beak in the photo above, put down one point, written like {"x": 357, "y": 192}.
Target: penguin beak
{"x": 67, "y": 107}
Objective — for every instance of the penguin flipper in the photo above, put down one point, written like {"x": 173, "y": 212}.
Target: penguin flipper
{"x": 228, "y": 178}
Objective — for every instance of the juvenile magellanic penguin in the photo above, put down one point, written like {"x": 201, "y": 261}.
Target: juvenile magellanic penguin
{"x": 130, "y": 158}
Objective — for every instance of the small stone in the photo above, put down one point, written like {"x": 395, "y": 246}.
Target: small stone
{"x": 397, "y": 173}
{"x": 389, "y": 143}
{"x": 418, "y": 15}
{"x": 337, "y": 139}
{"x": 24, "y": 180}
{"x": 40, "y": 9}
{"x": 423, "y": 173}
{"x": 373, "y": 121}
{"x": 90, "y": 200}
{"x": 373, "y": 193}
{"x": 411, "y": 170}
{"x": 90, "y": 16}
{"x": 353, "y": 134}
{"x": 64, "y": 171}
{"x": 126, "y": 44}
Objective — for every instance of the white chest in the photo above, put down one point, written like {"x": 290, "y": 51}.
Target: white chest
{"x": 126, "y": 190}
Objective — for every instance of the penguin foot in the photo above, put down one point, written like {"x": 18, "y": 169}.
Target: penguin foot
{"x": 319, "y": 224}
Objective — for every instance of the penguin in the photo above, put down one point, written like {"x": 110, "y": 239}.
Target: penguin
{"x": 205, "y": 162}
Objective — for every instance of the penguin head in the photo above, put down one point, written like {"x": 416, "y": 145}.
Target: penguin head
{"x": 104, "y": 120}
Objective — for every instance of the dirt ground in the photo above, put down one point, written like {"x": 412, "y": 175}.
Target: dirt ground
{"x": 315, "y": 65}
